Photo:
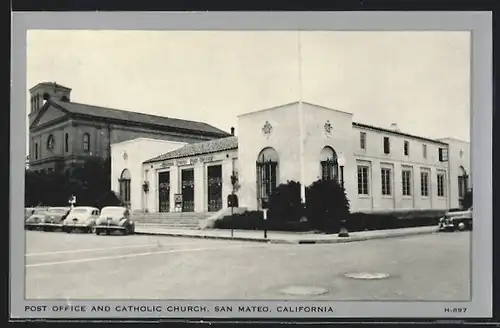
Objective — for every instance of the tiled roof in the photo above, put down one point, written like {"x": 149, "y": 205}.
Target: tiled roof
{"x": 122, "y": 115}
{"x": 199, "y": 148}
{"x": 376, "y": 128}
{"x": 52, "y": 84}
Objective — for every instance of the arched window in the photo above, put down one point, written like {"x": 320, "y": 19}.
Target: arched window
{"x": 86, "y": 142}
{"x": 329, "y": 164}
{"x": 125, "y": 186}
{"x": 463, "y": 182}
{"x": 66, "y": 142}
{"x": 50, "y": 142}
{"x": 267, "y": 173}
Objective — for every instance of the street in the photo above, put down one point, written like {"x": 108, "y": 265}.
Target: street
{"x": 85, "y": 266}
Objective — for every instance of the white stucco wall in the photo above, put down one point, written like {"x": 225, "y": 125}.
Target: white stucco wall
{"x": 200, "y": 164}
{"x": 284, "y": 138}
{"x": 137, "y": 151}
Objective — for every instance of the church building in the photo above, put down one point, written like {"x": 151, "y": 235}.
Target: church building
{"x": 382, "y": 169}
{"x": 63, "y": 132}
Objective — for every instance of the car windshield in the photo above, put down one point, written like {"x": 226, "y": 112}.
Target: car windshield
{"x": 57, "y": 210}
{"x": 112, "y": 211}
{"x": 80, "y": 210}
{"x": 40, "y": 210}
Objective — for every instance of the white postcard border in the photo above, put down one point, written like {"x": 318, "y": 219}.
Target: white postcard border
{"x": 479, "y": 23}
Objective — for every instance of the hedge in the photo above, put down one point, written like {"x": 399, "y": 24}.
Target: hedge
{"x": 253, "y": 220}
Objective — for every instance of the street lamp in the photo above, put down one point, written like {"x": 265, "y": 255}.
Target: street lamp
{"x": 343, "y": 224}
{"x": 341, "y": 162}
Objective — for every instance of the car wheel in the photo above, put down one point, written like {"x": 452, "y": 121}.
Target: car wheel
{"x": 461, "y": 226}
{"x": 97, "y": 232}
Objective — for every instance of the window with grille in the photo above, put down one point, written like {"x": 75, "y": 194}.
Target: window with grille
{"x": 407, "y": 148}
{"x": 443, "y": 154}
{"x": 441, "y": 184}
{"x": 362, "y": 140}
{"x": 363, "y": 182}
{"x": 406, "y": 182}
{"x": 329, "y": 170}
{"x": 386, "y": 181}
{"x": 424, "y": 184}
{"x": 387, "y": 145}
{"x": 86, "y": 142}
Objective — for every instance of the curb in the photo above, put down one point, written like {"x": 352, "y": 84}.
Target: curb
{"x": 297, "y": 241}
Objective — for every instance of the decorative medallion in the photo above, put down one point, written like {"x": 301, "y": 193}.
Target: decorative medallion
{"x": 461, "y": 153}
{"x": 267, "y": 129}
{"x": 328, "y": 127}
{"x": 125, "y": 156}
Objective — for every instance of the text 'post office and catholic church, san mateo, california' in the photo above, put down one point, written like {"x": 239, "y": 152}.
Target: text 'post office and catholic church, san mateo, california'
{"x": 162, "y": 164}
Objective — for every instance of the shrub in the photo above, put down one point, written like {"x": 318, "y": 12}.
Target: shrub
{"x": 250, "y": 220}
{"x": 326, "y": 204}
{"x": 393, "y": 220}
{"x": 254, "y": 220}
{"x": 285, "y": 203}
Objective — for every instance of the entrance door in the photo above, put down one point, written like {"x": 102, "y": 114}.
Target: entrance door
{"x": 214, "y": 176}
{"x": 164, "y": 191}
{"x": 187, "y": 177}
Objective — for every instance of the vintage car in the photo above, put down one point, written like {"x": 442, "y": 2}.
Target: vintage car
{"x": 81, "y": 218}
{"x": 34, "y": 221}
{"x": 458, "y": 219}
{"x": 54, "y": 218}
{"x": 28, "y": 211}
{"x": 114, "y": 219}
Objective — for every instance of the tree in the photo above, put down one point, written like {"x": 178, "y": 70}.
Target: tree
{"x": 285, "y": 203}
{"x": 326, "y": 205}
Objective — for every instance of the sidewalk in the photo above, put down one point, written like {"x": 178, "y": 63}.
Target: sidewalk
{"x": 278, "y": 237}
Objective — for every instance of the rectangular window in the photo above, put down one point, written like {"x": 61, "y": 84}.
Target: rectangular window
{"x": 440, "y": 184}
{"x": 36, "y": 151}
{"x": 406, "y": 182}
{"x": 386, "y": 181}
{"x": 424, "y": 184}
{"x": 443, "y": 154}
{"x": 363, "y": 180}
{"x": 387, "y": 145}
{"x": 407, "y": 148}
{"x": 362, "y": 140}
{"x": 424, "y": 151}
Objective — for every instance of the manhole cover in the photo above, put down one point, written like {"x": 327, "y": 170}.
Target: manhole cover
{"x": 367, "y": 275}
{"x": 304, "y": 290}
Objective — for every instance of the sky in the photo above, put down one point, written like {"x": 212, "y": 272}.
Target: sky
{"x": 419, "y": 80}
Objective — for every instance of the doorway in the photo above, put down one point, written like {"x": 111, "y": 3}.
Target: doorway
{"x": 187, "y": 177}
{"x": 214, "y": 186}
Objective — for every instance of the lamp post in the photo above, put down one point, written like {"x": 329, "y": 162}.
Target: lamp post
{"x": 343, "y": 224}
{"x": 341, "y": 162}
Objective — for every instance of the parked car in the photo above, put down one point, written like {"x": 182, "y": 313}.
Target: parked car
{"x": 82, "y": 218}
{"x": 34, "y": 221}
{"x": 114, "y": 218}
{"x": 458, "y": 219}
{"x": 54, "y": 218}
{"x": 28, "y": 211}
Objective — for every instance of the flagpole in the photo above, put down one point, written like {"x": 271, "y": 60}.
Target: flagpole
{"x": 301, "y": 122}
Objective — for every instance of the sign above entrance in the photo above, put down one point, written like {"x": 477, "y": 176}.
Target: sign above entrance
{"x": 187, "y": 161}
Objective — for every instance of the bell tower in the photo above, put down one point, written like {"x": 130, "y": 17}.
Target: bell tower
{"x": 47, "y": 90}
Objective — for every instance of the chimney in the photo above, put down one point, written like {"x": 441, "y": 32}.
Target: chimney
{"x": 232, "y": 131}
{"x": 394, "y": 127}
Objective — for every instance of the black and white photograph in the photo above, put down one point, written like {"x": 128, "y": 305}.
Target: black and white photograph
{"x": 247, "y": 166}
